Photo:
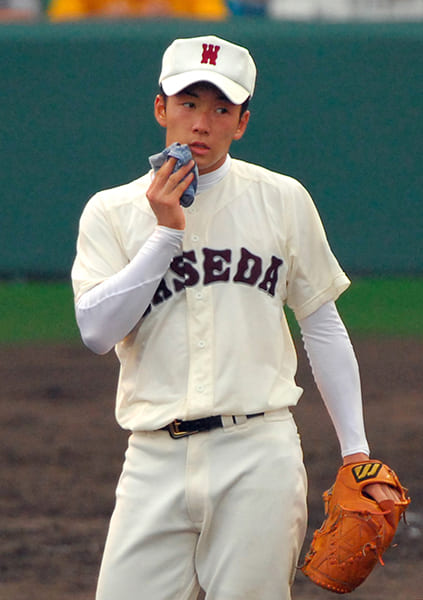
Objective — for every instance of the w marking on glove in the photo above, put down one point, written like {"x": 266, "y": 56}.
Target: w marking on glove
{"x": 367, "y": 471}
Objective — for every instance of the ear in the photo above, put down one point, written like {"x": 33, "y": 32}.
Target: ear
{"x": 160, "y": 110}
{"x": 242, "y": 125}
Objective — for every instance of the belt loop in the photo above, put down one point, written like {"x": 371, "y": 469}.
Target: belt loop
{"x": 240, "y": 419}
{"x": 227, "y": 421}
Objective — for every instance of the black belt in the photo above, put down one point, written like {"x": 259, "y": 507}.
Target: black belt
{"x": 178, "y": 429}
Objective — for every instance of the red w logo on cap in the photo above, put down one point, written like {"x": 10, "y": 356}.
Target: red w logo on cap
{"x": 209, "y": 54}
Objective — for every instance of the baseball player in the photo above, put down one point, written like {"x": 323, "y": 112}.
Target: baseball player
{"x": 213, "y": 488}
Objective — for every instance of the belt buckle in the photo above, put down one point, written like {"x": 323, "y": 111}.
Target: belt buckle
{"x": 175, "y": 432}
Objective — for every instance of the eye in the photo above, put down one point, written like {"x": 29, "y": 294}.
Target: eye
{"x": 188, "y": 104}
{"x": 222, "y": 110}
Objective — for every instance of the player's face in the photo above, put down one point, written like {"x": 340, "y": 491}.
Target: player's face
{"x": 205, "y": 120}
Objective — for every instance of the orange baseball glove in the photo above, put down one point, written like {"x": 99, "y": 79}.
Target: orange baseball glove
{"x": 356, "y": 532}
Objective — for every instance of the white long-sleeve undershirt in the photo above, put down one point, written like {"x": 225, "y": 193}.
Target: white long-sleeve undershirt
{"x": 109, "y": 311}
{"x": 336, "y": 373}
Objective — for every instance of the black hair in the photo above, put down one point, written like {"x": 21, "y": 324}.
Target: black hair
{"x": 244, "y": 105}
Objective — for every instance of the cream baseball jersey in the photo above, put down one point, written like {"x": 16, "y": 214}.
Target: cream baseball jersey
{"x": 214, "y": 339}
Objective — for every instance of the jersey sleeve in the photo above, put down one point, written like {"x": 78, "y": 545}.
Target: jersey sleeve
{"x": 336, "y": 373}
{"x": 314, "y": 275}
{"x": 98, "y": 253}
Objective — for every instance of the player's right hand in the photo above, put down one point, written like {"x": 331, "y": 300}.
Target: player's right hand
{"x": 165, "y": 192}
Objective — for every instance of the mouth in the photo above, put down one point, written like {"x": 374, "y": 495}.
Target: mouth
{"x": 199, "y": 148}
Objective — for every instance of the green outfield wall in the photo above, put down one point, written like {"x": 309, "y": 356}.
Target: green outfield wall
{"x": 340, "y": 107}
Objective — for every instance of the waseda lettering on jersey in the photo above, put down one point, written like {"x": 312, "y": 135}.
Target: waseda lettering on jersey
{"x": 249, "y": 268}
{"x": 183, "y": 266}
{"x": 209, "y": 54}
{"x": 217, "y": 267}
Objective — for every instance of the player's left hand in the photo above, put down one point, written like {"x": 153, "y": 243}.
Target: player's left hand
{"x": 383, "y": 494}
{"x": 358, "y": 528}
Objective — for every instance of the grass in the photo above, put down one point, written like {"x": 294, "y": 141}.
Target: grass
{"x": 384, "y": 307}
{"x": 376, "y": 306}
{"x": 37, "y": 312}
{"x": 43, "y": 311}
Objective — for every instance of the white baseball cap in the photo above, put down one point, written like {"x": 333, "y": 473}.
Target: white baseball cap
{"x": 208, "y": 58}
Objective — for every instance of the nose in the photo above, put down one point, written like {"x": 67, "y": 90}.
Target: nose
{"x": 202, "y": 122}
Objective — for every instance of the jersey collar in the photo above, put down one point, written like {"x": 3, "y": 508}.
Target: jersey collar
{"x": 208, "y": 180}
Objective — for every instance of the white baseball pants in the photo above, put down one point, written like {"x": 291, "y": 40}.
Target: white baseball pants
{"x": 224, "y": 509}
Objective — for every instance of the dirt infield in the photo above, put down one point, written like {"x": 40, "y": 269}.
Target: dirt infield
{"x": 61, "y": 454}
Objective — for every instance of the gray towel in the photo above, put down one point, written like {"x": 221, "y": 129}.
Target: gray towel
{"x": 183, "y": 155}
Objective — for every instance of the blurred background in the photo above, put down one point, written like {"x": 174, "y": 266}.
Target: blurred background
{"x": 339, "y": 106}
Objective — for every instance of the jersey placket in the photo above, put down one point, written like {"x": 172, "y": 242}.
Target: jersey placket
{"x": 200, "y": 329}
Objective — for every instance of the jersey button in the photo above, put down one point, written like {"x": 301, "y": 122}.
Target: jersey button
{"x": 200, "y": 388}
{"x": 201, "y": 344}
{"x": 195, "y": 238}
